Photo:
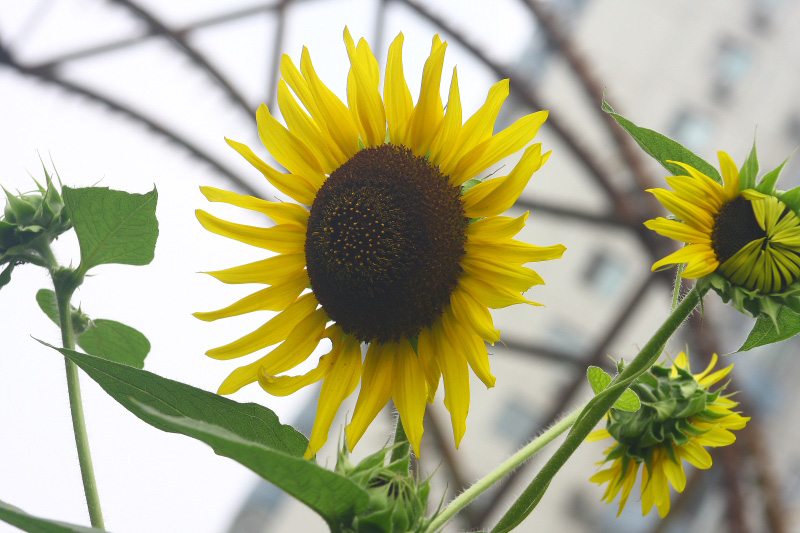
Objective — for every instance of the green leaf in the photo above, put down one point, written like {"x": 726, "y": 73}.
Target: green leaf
{"x": 600, "y": 380}
{"x": 749, "y": 170}
{"x": 249, "y": 421}
{"x": 48, "y": 304}
{"x": 19, "y": 518}
{"x": 662, "y": 148}
{"x": 629, "y": 401}
{"x": 115, "y": 341}
{"x": 765, "y": 330}
{"x": 113, "y": 226}
{"x": 333, "y": 496}
{"x": 5, "y": 275}
{"x": 108, "y": 339}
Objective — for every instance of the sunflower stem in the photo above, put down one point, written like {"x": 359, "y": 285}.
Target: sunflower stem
{"x": 530, "y": 449}
{"x": 401, "y": 445}
{"x": 65, "y": 282}
{"x": 676, "y": 291}
{"x": 595, "y": 409}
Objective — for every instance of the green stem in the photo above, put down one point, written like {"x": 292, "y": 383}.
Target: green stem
{"x": 402, "y": 446}
{"x": 533, "y": 447}
{"x": 595, "y": 410}
{"x": 65, "y": 282}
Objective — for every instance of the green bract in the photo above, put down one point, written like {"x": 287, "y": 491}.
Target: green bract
{"x": 28, "y": 224}
{"x": 397, "y": 502}
{"x": 668, "y": 405}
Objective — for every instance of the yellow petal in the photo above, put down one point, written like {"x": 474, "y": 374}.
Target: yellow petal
{"x": 286, "y": 385}
{"x": 675, "y": 474}
{"x": 500, "y": 274}
{"x": 598, "y": 434}
{"x": 271, "y": 271}
{"x": 730, "y": 174}
{"x": 695, "y": 454}
{"x": 496, "y": 228}
{"x": 332, "y": 111}
{"x": 445, "y": 141}
{"x": 697, "y": 217}
{"x": 478, "y": 128}
{"x": 283, "y": 238}
{"x": 299, "y": 344}
{"x": 399, "y": 105}
{"x": 427, "y": 358}
{"x": 340, "y": 383}
{"x": 514, "y": 251}
{"x": 294, "y": 186}
{"x": 702, "y": 253}
{"x": 376, "y": 389}
{"x": 270, "y": 333}
{"x": 307, "y": 130}
{"x": 280, "y": 212}
{"x": 371, "y": 113}
{"x": 493, "y": 297}
{"x": 497, "y": 195}
{"x": 287, "y": 148}
{"x": 497, "y": 147}
{"x": 477, "y": 318}
{"x": 678, "y": 231}
{"x": 427, "y": 116}
{"x": 275, "y": 298}
{"x": 409, "y": 392}
{"x": 471, "y": 347}
{"x": 456, "y": 381}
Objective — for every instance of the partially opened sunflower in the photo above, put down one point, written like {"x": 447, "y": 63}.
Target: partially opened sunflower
{"x": 399, "y": 248}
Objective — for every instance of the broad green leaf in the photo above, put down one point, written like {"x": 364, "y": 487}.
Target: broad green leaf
{"x": 113, "y": 226}
{"x": 765, "y": 331}
{"x": 5, "y": 275}
{"x": 48, "y": 304}
{"x": 749, "y": 170}
{"x": 115, "y": 341}
{"x": 249, "y": 421}
{"x": 333, "y": 496}
{"x": 663, "y": 149}
{"x": 629, "y": 401}
{"x": 600, "y": 380}
{"x": 19, "y": 518}
{"x": 108, "y": 339}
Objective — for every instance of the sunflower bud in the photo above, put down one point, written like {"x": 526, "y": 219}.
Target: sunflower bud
{"x": 397, "y": 501}
{"x": 29, "y": 223}
{"x": 679, "y": 415}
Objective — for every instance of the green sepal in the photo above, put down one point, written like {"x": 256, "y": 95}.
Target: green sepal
{"x": 768, "y": 181}
{"x": 662, "y": 148}
{"x": 749, "y": 170}
{"x": 791, "y": 198}
{"x": 33, "y": 524}
{"x": 470, "y": 183}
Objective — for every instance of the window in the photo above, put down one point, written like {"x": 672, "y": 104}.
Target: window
{"x": 605, "y": 274}
{"x": 731, "y": 65}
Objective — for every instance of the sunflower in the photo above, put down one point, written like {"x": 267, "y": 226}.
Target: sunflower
{"x": 749, "y": 237}
{"x": 402, "y": 248}
{"x": 678, "y": 418}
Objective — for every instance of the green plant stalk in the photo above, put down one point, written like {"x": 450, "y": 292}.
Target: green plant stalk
{"x": 65, "y": 282}
{"x": 594, "y": 411}
{"x": 401, "y": 444}
{"x": 530, "y": 449}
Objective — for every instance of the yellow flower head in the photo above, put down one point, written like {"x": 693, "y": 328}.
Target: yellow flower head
{"x": 679, "y": 416}
{"x": 400, "y": 247}
{"x": 749, "y": 238}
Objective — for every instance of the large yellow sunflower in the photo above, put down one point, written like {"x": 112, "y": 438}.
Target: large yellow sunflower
{"x": 398, "y": 249}
{"x": 750, "y": 238}
{"x": 678, "y": 419}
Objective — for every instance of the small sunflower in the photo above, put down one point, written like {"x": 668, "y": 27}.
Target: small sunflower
{"x": 401, "y": 246}
{"x": 679, "y": 416}
{"x": 746, "y": 240}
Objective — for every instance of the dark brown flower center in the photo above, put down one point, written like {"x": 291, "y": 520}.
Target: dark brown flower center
{"x": 384, "y": 244}
{"x": 735, "y": 226}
